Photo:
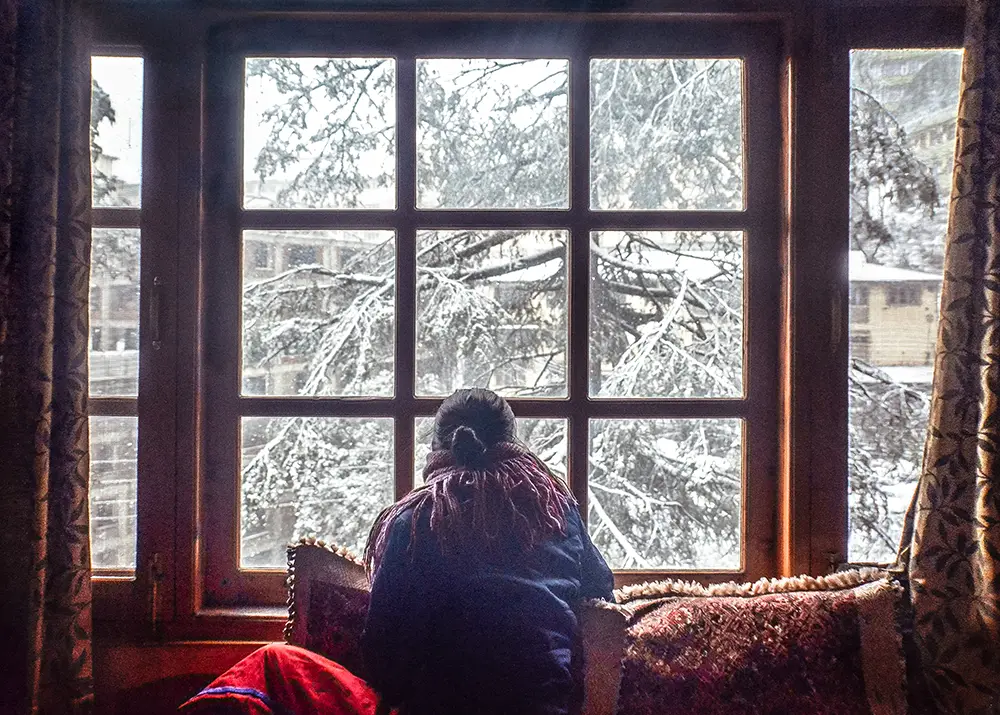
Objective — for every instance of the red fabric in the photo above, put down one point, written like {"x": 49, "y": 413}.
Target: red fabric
{"x": 282, "y": 679}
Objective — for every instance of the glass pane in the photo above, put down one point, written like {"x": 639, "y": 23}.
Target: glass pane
{"x": 319, "y": 132}
{"x": 492, "y": 134}
{"x": 666, "y": 134}
{"x": 116, "y": 130}
{"x": 666, "y": 316}
{"x": 112, "y": 491}
{"x": 666, "y": 494}
{"x": 318, "y": 313}
{"x": 423, "y": 433}
{"x": 114, "y": 312}
{"x": 545, "y": 437}
{"x": 311, "y": 476}
{"x": 491, "y": 312}
{"x": 904, "y": 106}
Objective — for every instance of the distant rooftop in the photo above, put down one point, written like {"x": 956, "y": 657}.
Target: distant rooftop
{"x": 864, "y": 272}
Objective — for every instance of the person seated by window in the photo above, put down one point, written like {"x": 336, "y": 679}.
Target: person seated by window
{"x": 474, "y": 579}
{"x": 476, "y": 573}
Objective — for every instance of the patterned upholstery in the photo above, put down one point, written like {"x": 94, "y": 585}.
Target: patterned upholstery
{"x": 827, "y": 646}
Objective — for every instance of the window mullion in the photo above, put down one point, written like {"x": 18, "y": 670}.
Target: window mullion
{"x": 221, "y": 355}
{"x": 406, "y": 269}
{"x": 157, "y": 489}
{"x": 577, "y": 359}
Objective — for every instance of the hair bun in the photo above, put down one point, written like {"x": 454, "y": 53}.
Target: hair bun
{"x": 466, "y": 447}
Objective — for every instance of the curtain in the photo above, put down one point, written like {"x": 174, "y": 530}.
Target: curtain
{"x": 951, "y": 543}
{"x": 45, "y": 610}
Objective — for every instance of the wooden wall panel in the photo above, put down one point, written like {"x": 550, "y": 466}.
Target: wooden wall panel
{"x": 156, "y": 678}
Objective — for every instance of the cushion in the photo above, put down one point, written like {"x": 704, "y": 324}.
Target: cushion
{"x": 328, "y": 598}
{"x": 829, "y": 646}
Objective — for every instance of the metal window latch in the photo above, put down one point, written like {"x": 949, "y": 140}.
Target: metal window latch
{"x": 836, "y": 321}
{"x": 154, "y": 313}
{"x": 156, "y": 576}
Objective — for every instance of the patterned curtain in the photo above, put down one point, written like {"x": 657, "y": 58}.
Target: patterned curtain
{"x": 45, "y": 592}
{"x": 951, "y": 545}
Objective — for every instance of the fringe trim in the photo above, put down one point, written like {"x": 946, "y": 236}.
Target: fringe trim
{"x": 671, "y": 587}
{"x": 340, "y": 551}
{"x": 288, "y": 633}
{"x": 883, "y": 661}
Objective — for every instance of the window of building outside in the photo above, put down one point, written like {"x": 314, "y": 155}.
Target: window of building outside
{"x": 906, "y": 294}
{"x": 296, "y": 256}
{"x": 263, "y": 256}
{"x": 588, "y": 226}
{"x": 904, "y": 105}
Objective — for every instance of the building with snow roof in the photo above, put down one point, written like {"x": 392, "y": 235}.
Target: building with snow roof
{"x": 893, "y": 317}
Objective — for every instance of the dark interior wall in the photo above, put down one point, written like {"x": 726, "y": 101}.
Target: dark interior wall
{"x": 153, "y": 679}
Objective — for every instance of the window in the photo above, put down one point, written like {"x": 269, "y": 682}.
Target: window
{"x": 116, "y": 160}
{"x": 636, "y": 227}
{"x": 900, "y": 186}
{"x": 565, "y": 223}
{"x": 860, "y": 296}
{"x": 903, "y": 294}
{"x": 296, "y": 256}
{"x": 262, "y": 255}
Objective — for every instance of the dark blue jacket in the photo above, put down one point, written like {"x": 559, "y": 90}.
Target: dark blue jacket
{"x": 479, "y": 636}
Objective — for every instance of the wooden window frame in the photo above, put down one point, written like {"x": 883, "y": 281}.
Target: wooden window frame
{"x": 813, "y": 508}
{"x": 116, "y": 584}
{"x": 227, "y": 585}
{"x": 139, "y": 602}
{"x": 806, "y": 506}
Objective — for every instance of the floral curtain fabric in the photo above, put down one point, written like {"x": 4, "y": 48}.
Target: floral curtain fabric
{"x": 45, "y": 588}
{"x": 951, "y": 546}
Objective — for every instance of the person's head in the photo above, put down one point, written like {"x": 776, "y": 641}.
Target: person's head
{"x": 484, "y": 493}
{"x": 470, "y": 422}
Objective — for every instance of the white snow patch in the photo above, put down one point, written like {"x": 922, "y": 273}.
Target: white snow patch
{"x": 864, "y": 272}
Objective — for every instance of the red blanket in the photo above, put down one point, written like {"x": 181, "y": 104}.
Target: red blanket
{"x": 281, "y": 679}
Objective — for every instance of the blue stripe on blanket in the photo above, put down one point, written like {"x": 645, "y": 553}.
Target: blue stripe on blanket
{"x": 229, "y": 690}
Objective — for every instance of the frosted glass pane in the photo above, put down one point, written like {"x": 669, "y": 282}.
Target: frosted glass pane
{"x": 319, "y": 313}
{"x": 666, "y": 314}
{"x": 113, "y": 491}
{"x": 114, "y": 312}
{"x": 492, "y": 134}
{"x": 491, "y": 312}
{"x": 116, "y": 130}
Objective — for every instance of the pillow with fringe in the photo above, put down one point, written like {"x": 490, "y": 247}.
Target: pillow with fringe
{"x": 328, "y": 597}
{"x": 827, "y": 646}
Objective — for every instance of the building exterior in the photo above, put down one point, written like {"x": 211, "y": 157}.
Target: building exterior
{"x": 894, "y": 314}
{"x": 894, "y": 310}
{"x": 919, "y": 89}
